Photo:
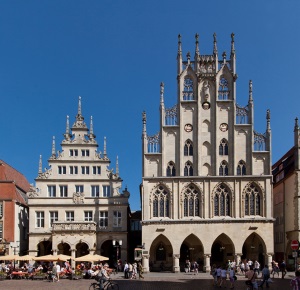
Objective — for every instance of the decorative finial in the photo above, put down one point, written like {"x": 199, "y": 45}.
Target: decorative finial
{"x": 179, "y": 44}
{"x": 40, "y": 165}
{"x": 188, "y": 56}
{"x": 232, "y": 44}
{"x": 162, "y": 90}
{"x": 197, "y": 44}
{"x": 224, "y": 57}
{"x": 296, "y": 124}
{"x": 117, "y": 166}
{"x": 144, "y": 122}
{"x": 215, "y": 44}
{"x": 79, "y": 106}
{"x": 250, "y": 91}
{"x": 104, "y": 147}
{"x": 268, "y": 119}
{"x": 53, "y": 146}
{"x": 91, "y": 126}
{"x": 67, "y": 134}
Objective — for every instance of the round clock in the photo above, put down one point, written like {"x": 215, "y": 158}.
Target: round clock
{"x": 223, "y": 127}
{"x": 188, "y": 127}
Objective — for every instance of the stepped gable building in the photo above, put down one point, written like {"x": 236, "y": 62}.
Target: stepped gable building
{"x": 13, "y": 211}
{"x": 77, "y": 206}
{"x": 206, "y": 183}
{"x": 286, "y": 198}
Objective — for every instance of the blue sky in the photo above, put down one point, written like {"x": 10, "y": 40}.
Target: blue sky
{"x": 115, "y": 53}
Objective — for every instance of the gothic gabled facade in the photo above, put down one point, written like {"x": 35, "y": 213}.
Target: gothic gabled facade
{"x": 207, "y": 183}
{"x": 76, "y": 206}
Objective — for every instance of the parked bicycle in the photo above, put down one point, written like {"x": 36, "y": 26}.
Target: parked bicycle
{"x": 107, "y": 285}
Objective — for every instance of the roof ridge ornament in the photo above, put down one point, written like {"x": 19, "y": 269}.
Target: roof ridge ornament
{"x": 215, "y": 44}
{"x": 232, "y": 44}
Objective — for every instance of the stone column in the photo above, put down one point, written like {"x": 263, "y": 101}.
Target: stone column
{"x": 238, "y": 258}
{"x": 206, "y": 267}
{"x": 54, "y": 251}
{"x": 145, "y": 263}
{"x": 270, "y": 261}
{"x": 73, "y": 257}
{"x": 176, "y": 267}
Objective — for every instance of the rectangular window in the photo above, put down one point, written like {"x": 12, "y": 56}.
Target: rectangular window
{"x": 103, "y": 219}
{"x": 88, "y": 216}
{"x": 63, "y": 189}
{"x": 85, "y": 152}
{"x": 95, "y": 191}
{"x": 106, "y": 191}
{"x": 85, "y": 170}
{"x": 96, "y": 169}
{"x": 73, "y": 169}
{"x": 39, "y": 219}
{"x": 69, "y": 216}
{"x": 79, "y": 188}
{"x": 51, "y": 191}
{"x": 1, "y": 210}
{"x": 62, "y": 170}
{"x": 53, "y": 217}
{"x": 1, "y": 230}
{"x": 73, "y": 152}
{"x": 117, "y": 221}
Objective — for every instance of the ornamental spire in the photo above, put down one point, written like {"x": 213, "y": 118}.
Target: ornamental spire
{"x": 67, "y": 134}
{"x": 162, "y": 90}
{"x": 179, "y": 45}
{"x": 197, "y": 52}
{"x": 144, "y": 123}
{"x": 250, "y": 91}
{"x": 104, "y": 147}
{"x": 40, "y": 165}
{"x": 53, "y": 147}
{"x": 117, "y": 166}
{"x": 215, "y": 44}
{"x": 179, "y": 56}
{"x": 92, "y": 136}
{"x": 296, "y": 125}
{"x": 232, "y": 44}
{"x": 268, "y": 120}
{"x": 79, "y": 106}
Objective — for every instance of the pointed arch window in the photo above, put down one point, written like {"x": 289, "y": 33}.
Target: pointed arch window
{"x": 171, "y": 170}
{"x": 188, "y": 148}
{"x": 241, "y": 168}
{"x": 252, "y": 200}
{"x": 188, "y": 89}
{"x": 223, "y": 169}
{"x": 161, "y": 202}
{"x": 188, "y": 169}
{"x": 223, "y": 147}
{"x": 222, "y": 201}
{"x": 223, "y": 93}
{"x": 191, "y": 201}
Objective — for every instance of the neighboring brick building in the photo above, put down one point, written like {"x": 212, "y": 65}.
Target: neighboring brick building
{"x": 13, "y": 211}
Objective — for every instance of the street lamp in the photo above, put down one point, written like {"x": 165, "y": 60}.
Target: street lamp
{"x": 14, "y": 246}
{"x": 117, "y": 245}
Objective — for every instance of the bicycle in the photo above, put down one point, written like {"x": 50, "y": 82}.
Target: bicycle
{"x": 107, "y": 285}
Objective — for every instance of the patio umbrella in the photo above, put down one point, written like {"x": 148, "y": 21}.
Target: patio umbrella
{"x": 62, "y": 257}
{"x": 91, "y": 258}
{"x": 46, "y": 258}
{"x": 25, "y": 258}
{"x": 9, "y": 257}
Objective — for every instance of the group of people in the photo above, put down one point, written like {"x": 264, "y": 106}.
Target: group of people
{"x": 191, "y": 267}
{"x": 131, "y": 270}
{"x": 220, "y": 275}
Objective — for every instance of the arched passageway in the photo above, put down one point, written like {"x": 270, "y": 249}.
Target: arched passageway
{"x": 64, "y": 248}
{"x": 44, "y": 248}
{"x": 222, "y": 250}
{"x": 82, "y": 249}
{"x": 254, "y": 249}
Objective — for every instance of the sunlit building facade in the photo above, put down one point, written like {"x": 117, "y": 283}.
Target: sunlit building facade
{"x": 206, "y": 182}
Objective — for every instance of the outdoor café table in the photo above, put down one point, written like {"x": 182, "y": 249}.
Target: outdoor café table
{"x": 17, "y": 275}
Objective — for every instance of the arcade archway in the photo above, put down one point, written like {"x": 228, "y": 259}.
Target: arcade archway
{"x": 44, "y": 248}
{"x": 222, "y": 250}
{"x": 254, "y": 249}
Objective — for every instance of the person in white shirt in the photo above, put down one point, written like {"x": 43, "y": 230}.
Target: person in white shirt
{"x": 57, "y": 271}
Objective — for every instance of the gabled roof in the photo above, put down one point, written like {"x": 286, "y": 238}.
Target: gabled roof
{"x": 8, "y": 173}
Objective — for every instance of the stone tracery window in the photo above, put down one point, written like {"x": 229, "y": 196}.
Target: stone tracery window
{"x": 171, "y": 170}
{"x": 188, "y": 148}
{"x": 241, "y": 168}
{"x": 188, "y": 169}
{"x": 252, "y": 200}
{"x": 188, "y": 89}
{"x": 161, "y": 202}
{"x": 223, "y": 93}
{"x": 191, "y": 202}
{"x": 223, "y": 147}
{"x": 223, "y": 169}
{"x": 222, "y": 201}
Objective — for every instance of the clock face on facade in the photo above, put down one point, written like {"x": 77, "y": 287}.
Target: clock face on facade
{"x": 223, "y": 127}
{"x": 206, "y": 106}
{"x": 188, "y": 127}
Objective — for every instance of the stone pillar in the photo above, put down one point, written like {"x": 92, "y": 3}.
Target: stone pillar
{"x": 73, "y": 257}
{"x": 176, "y": 267}
{"x": 145, "y": 263}
{"x": 238, "y": 259}
{"x": 270, "y": 261}
{"x": 54, "y": 252}
{"x": 206, "y": 267}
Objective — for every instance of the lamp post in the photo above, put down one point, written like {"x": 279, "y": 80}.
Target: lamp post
{"x": 14, "y": 246}
{"x": 117, "y": 245}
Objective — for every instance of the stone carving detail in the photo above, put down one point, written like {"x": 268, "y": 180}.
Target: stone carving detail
{"x": 46, "y": 174}
{"x": 74, "y": 226}
{"x": 78, "y": 197}
{"x": 33, "y": 192}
